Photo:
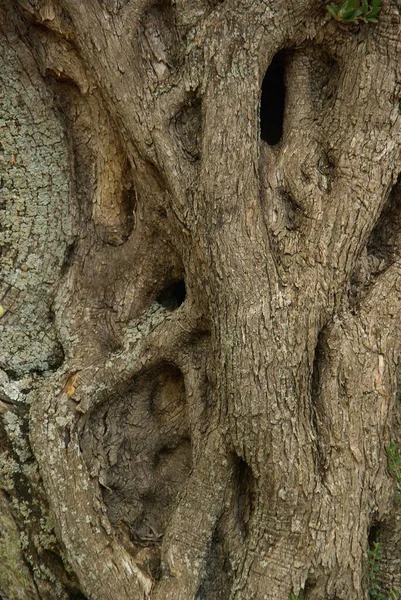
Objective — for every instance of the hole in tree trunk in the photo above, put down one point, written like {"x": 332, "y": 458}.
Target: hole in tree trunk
{"x": 384, "y": 240}
{"x": 309, "y": 586}
{"x": 138, "y": 443}
{"x": 188, "y": 127}
{"x": 382, "y": 248}
{"x": 376, "y": 567}
{"x": 272, "y": 101}
{"x": 246, "y": 487}
{"x": 373, "y": 535}
{"x": 173, "y": 295}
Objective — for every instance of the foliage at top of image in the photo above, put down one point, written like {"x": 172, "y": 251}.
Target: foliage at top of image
{"x": 353, "y": 11}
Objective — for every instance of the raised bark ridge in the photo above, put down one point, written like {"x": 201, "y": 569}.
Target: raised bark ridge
{"x": 216, "y": 424}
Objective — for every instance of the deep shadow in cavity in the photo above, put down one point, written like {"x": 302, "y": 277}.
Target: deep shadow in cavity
{"x": 69, "y": 256}
{"x": 173, "y": 295}
{"x": 246, "y": 492}
{"x": 188, "y": 127}
{"x": 373, "y": 534}
{"x": 218, "y": 575}
{"x": 317, "y": 409}
{"x": 272, "y": 101}
{"x": 139, "y": 436}
{"x": 382, "y": 249}
{"x": 383, "y": 241}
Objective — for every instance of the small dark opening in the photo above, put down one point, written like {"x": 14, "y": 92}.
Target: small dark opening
{"x": 318, "y": 360}
{"x": 246, "y": 489}
{"x": 173, "y": 295}
{"x": 309, "y": 586}
{"x": 373, "y": 534}
{"x": 382, "y": 242}
{"x": 69, "y": 257}
{"x": 273, "y": 101}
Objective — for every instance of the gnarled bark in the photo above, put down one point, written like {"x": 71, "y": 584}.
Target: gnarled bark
{"x": 202, "y": 328}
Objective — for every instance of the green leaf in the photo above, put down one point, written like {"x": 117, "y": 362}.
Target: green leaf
{"x": 2, "y": 310}
{"x": 349, "y": 16}
{"x": 350, "y": 11}
{"x": 375, "y": 9}
{"x": 333, "y": 10}
{"x": 347, "y": 9}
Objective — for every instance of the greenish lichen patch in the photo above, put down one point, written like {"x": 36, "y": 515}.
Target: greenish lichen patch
{"x": 34, "y": 213}
{"x": 15, "y": 578}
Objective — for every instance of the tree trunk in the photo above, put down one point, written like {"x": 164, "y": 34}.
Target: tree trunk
{"x": 202, "y": 290}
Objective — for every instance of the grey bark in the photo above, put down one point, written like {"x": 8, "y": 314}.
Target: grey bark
{"x": 200, "y": 353}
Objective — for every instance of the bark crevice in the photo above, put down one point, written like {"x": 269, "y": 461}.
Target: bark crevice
{"x": 272, "y": 102}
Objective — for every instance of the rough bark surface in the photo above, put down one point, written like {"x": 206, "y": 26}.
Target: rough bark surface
{"x": 200, "y": 354}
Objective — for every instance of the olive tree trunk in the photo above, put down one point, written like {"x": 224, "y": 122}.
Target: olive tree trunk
{"x": 202, "y": 291}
